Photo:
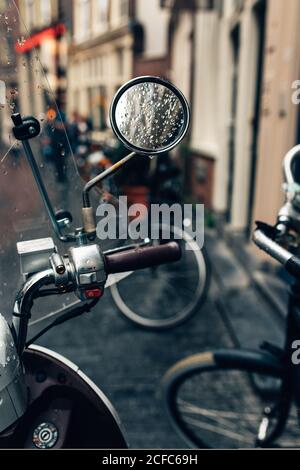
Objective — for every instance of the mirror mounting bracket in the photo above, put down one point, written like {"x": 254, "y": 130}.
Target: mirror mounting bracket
{"x": 24, "y": 130}
{"x": 105, "y": 174}
{"x": 87, "y": 211}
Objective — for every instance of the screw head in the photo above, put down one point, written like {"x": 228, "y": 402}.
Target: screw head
{"x": 61, "y": 269}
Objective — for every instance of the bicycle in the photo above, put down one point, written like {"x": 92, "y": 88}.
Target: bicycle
{"x": 212, "y": 398}
{"x": 176, "y": 294}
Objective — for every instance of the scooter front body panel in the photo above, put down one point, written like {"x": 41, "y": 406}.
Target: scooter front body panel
{"x": 66, "y": 409}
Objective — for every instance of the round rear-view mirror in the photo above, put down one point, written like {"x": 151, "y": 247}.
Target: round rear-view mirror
{"x": 149, "y": 115}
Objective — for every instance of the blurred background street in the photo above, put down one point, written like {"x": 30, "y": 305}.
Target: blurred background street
{"x": 237, "y": 62}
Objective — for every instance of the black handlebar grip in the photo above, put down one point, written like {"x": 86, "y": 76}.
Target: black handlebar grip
{"x": 293, "y": 266}
{"x": 142, "y": 258}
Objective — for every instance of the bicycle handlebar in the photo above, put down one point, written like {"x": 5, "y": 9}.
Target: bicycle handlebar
{"x": 142, "y": 258}
{"x": 263, "y": 239}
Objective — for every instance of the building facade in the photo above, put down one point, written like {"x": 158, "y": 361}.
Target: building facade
{"x": 244, "y": 57}
{"x": 154, "y": 59}
{"x": 113, "y": 41}
{"x": 9, "y": 30}
{"x": 225, "y": 39}
{"x": 100, "y": 57}
{"x": 279, "y": 126}
{"x": 42, "y": 54}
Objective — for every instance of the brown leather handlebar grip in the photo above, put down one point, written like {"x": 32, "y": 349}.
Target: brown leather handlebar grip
{"x": 142, "y": 258}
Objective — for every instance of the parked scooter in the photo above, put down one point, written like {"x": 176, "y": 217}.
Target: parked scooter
{"x": 46, "y": 402}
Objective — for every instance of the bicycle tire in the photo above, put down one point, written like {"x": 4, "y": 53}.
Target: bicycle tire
{"x": 220, "y": 361}
{"x": 135, "y": 316}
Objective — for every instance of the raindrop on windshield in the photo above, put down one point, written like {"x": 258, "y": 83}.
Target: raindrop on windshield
{"x": 21, "y": 41}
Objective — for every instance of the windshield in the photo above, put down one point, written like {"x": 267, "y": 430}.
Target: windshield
{"x": 32, "y": 82}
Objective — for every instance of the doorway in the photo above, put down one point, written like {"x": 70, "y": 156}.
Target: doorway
{"x": 235, "y": 45}
{"x": 260, "y": 19}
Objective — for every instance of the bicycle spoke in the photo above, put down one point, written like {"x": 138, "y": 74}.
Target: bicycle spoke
{"x": 188, "y": 408}
{"x": 222, "y": 432}
{"x": 223, "y": 409}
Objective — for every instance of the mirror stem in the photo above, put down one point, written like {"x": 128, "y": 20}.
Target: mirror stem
{"x": 43, "y": 192}
{"x": 109, "y": 172}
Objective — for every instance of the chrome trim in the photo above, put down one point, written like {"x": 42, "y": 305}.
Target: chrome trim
{"x": 271, "y": 247}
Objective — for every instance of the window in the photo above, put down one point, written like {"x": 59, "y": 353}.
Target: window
{"x": 100, "y": 15}
{"x": 29, "y": 14}
{"x": 102, "y": 11}
{"x": 2, "y": 93}
{"x": 83, "y": 19}
{"x": 124, "y": 9}
{"x": 103, "y": 108}
{"x": 167, "y": 3}
{"x": 239, "y": 5}
{"x": 120, "y": 62}
{"x": 99, "y": 67}
{"x": 45, "y": 12}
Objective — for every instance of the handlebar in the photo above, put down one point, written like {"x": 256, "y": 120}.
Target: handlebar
{"x": 89, "y": 285}
{"x": 142, "y": 258}
{"x": 264, "y": 238}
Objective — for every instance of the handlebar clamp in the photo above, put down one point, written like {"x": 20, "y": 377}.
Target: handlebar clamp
{"x": 87, "y": 268}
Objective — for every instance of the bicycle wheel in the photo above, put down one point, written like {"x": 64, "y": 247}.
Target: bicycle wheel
{"x": 165, "y": 296}
{"x": 212, "y": 403}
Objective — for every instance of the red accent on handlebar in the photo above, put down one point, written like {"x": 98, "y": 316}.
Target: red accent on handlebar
{"x": 93, "y": 293}
{"x": 142, "y": 258}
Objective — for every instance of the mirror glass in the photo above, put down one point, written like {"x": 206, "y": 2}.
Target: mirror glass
{"x": 150, "y": 117}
